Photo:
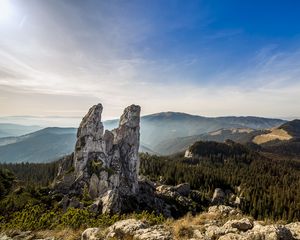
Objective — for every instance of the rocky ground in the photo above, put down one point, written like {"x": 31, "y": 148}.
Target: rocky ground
{"x": 219, "y": 222}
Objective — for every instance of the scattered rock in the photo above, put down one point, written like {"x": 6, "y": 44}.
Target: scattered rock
{"x": 90, "y": 234}
{"x": 18, "y": 235}
{"x": 243, "y": 224}
{"x": 294, "y": 228}
{"x": 188, "y": 154}
{"x": 232, "y": 236}
{"x": 269, "y": 232}
{"x": 218, "y": 197}
{"x": 224, "y": 210}
{"x": 183, "y": 189}
{"x": 138, "y": 230}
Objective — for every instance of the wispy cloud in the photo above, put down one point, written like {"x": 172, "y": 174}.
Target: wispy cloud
{"x": 55, "y": 57}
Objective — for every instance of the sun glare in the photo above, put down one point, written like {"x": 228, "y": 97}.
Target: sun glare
{"x": 5, "y": 9}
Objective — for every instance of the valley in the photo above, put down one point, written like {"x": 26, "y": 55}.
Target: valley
{"x": 225, "y": 167}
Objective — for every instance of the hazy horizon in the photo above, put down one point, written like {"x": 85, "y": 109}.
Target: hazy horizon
{"x": 74, "y": 121}
{"x": 208, "y": 58}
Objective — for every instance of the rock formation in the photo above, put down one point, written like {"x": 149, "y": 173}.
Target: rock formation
{"x": 105, "y": 166}
{"x": 105, "y": 163}
{"x": 218, "y": 197}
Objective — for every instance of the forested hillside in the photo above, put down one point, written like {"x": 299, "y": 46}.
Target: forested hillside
{"x": 37, "y": 174}
{"x": 268, "y": 188}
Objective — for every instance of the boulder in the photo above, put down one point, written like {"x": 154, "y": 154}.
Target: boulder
{"x": 294, "y": 228}
{"x": 218, "y": 197}
{"x": 243, "y": 224}
{"x": 224, "y": 210}
{"x": 19, "y": 235}
{"x": 91, "y": 234}
{"x": 215, "y": 231}
{"x": 136, "y": 229}
{"x": 233, "y": 236}
{"x": 183, "y": 189}
{"x": 269, "y": 232}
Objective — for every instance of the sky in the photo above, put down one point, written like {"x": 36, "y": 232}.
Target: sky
{"x": 209, "y": 58}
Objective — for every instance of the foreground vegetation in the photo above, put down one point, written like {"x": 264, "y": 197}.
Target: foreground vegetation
{"x": 27, "y": 204}
{"x": 269, "y": 188}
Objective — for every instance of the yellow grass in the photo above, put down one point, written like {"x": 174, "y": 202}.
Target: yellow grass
{"x": 279, "y": 134}
{"x": 64, "y": 234}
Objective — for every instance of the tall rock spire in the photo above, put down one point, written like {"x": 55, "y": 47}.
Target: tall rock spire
{"x": 107, "y": 163}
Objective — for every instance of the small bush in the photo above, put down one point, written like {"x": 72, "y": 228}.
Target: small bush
{"x": 76, "y": 218}
{"x": 152, "y": 218}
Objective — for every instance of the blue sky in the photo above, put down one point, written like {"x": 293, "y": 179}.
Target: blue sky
{"x": 59, "y": 57}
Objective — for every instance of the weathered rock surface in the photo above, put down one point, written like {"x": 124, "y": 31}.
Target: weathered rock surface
{"x": 237, "y": 228}
{"x": 138, "y": 230}
{"x": 226, "y": 197}
{"x": 104, "y": 163}
{"x": 171, "y": 201}
{"x": 224, "y": 211}
{"x": 218, "y": 197}
{"x": 243, "y": 224}
{"x": 90, "y": 234}
{"x": 18, "y": 235}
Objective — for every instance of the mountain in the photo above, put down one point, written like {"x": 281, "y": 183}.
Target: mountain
{"x": 160, "y": 127}
{"x": 41, "y": 146}
{"x": 283, "y": 140}
{"x": 292, "y": 128}
{"x": 9, "y": 130}
{"x": 171, "y": 125}
{"x": 161, "y": 133}
{"x": 240, "y": 135}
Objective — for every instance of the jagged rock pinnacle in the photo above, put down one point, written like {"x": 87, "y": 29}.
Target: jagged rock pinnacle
{"x": 107, "y": 163}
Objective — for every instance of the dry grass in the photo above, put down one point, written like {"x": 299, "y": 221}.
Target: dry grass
{"x": 184, "y": 228}
{"x": 279, "y": 134}
{"x": 64, "y": 234}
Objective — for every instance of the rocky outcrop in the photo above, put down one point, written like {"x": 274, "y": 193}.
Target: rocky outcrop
{"x": 227, "y": 197}
{"x": 105, "y": 166}
{"x": 139, "y": 230}
{"x": 18, "y": 235}
{"x": 91, "y": 234}
{"x": 218, "y": 197}
{"x": 171, "y": 201}
{"x": 227, "y": 223}
{"x": 105, "y": 163}
{"x": 219, "y": 222}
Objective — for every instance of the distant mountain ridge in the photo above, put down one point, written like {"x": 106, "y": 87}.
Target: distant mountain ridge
{"x": 42, "y": 146}
{"x": 292, "y": 128}
{"x": 284, "y": 139}
{"x": 240, "y": 135}
{"x": 11, "y": 130}
{"x": 160, "y": 127}
{"x": 158, "y": 134}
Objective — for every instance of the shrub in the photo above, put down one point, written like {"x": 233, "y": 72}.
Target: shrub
{"x": 31, "y": 218}
{"x": 152, "y": 218}
{"x": 76, "y": 218}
